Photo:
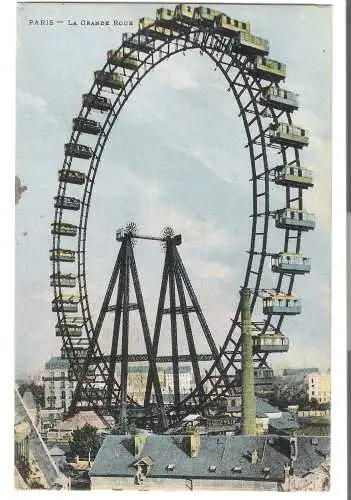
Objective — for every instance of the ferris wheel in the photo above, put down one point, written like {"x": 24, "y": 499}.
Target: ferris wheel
{"x": 273, "y": 142}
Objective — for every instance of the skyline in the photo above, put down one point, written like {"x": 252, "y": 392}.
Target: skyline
{"x": 177, "y": 86}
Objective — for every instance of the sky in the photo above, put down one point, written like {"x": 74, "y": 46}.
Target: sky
{"x": 176, "y": 157}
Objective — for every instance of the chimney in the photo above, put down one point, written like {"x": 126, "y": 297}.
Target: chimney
{"x": 139, "y": 443}
{"x": 248, "y": 401}
{"x": 194, "y": 444}
{"x": 254, "y": 457}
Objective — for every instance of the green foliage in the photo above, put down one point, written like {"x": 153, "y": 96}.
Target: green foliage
{"x": 36, "y": 390}
{"x": 314, "y": 404}
{"x": 85, "y": 440}
{"x": 131, "y": 429}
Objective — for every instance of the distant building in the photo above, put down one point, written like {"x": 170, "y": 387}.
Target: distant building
{"x": 298, "y": 374}
{"x": 138, "y": 374}
{"x": 58, "y": 388}
{"x": 269, "y": 418}
{"x": 186, "y": 382}
{"x": 319, "y": 387}
{"x": 63, "y": 431}
{"x": 137, "y": 379}
{"x": 196, "y": 462}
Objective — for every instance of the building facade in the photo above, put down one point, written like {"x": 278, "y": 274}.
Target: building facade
{"x": 186, "y": 382}
{"x": 58, "y": 388}
{"x": 319, "y": 387}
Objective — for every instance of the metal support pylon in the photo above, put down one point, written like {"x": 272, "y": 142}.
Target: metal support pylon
{"x": 126, "y": 275}
{"x": 176, "y": 280}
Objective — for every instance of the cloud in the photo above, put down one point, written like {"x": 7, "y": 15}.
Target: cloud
{"x": 179, "y": 77}
{"x": 31, "y": 101}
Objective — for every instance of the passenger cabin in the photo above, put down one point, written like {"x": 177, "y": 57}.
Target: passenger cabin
{"x": 62, "y": 255}
{"x": 64, "y": 228}
{"x": 66, "y": 303}
{"x": 110, "y": 80}
{"x": 292, "y": 218}
{"x": 97, "y": 102}
{"x": 246, "y": 43}
{"x": 87, "y": 126}
{"x": 281, "y": 304}
{"x": 72, "y": 327}
{"x": 270, "y": 343}
{"x": 262, "y": 376}
{"x": 159, "y": 32}
{"x": 127, "y": 61}
{"x": 184, "y": 13}
{"x": 164, "y": 17}
{"x": 288, "y": 135}
{"x": 67, "y": 202}
{"x": 290, "y": 263}
{"x": 279, "y": 98}
{"x": 228, "y": 26}
{"x": 138, "y": 42}
{"x": 294, "y": 176}
{"x": 76, "y": 351}
{"x": 63, "y": 280}
{"x": 71, "y": 176}
{"x": 78, "y": 150}
{"x": 268, "y": 69}
{"x": 206, "y": 16}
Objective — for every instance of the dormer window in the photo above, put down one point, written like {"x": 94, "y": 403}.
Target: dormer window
{"x": 170, "y": 467}
{"x": 237, "y": 469}
{"x": 212, "y": 468}
{"x": 266, "y": 470}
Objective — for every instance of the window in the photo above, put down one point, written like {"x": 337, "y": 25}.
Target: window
{"x": 244, "y": 26}
{"x": 63, "y": 394}
{"x": 237, "y": 469}
{"x": 212, "y": 468}
{"x": 170, "y": 467}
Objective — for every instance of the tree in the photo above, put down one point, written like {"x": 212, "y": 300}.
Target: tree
{"x": 85, "y": 440}
{"x": 314, "y": 404}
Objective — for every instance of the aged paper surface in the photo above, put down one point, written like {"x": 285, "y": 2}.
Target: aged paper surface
{"x": 182, "y": 141}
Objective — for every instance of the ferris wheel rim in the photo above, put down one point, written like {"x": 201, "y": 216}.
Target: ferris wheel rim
{"x": 86, "y": 205}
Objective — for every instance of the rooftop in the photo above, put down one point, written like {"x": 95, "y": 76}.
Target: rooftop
{"x": 57, "y": 363}
{"x": 229, "y": 454}
{"x": 80, "y": 419}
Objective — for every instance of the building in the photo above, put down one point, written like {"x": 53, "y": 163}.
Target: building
{"x": 186, "y": 382}
{"x": 268, "y": 417}
{"x": 33, "y": 462}
{"x": 195, "y": 462}
{"x": 137, "y": 379}
{"x": 138, "y": 374}
{"x": 62, "y": 433}
{"x": 58, "y": 388}
{"x": 319, "y": 387}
